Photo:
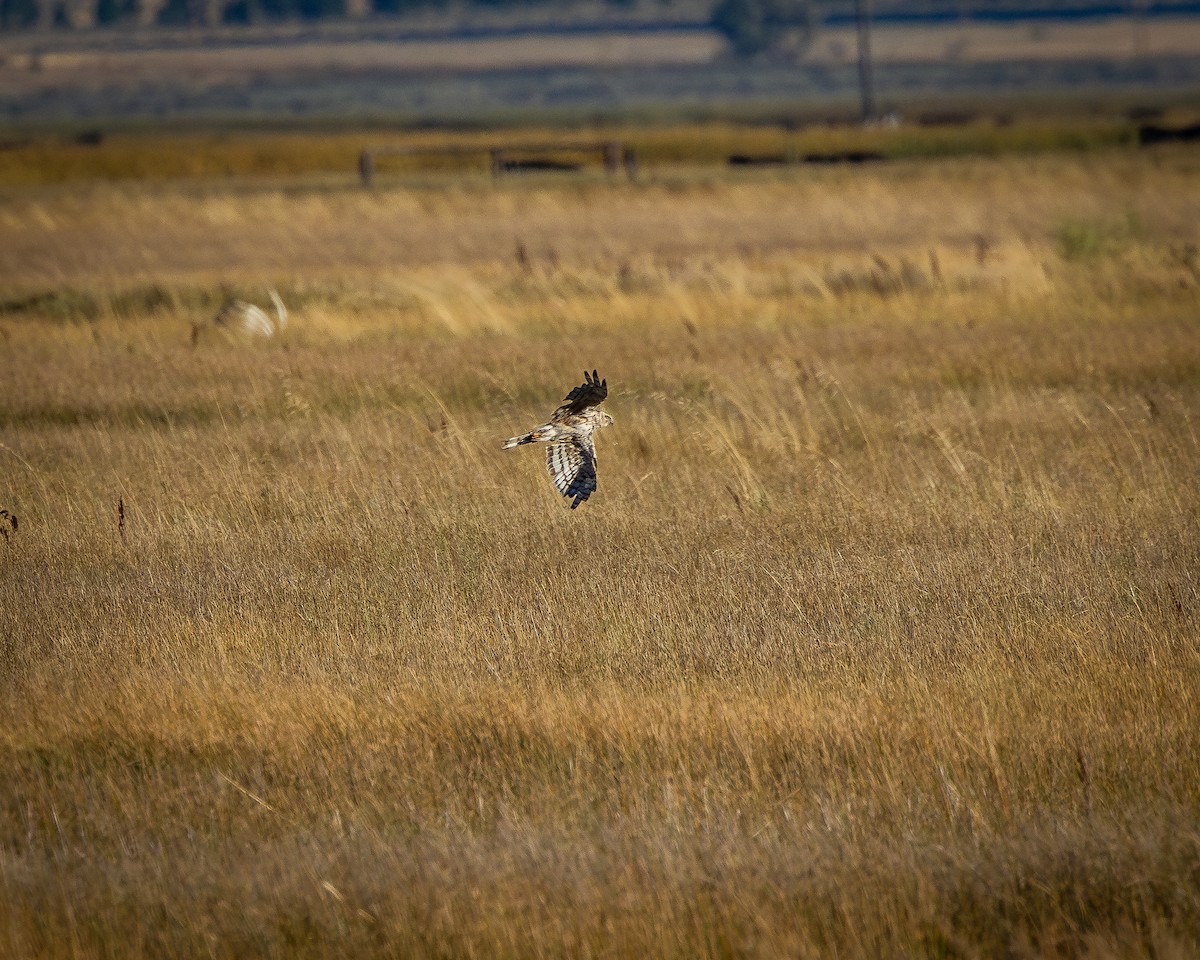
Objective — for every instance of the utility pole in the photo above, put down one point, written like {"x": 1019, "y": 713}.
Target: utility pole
{"x": 866, "y": 79}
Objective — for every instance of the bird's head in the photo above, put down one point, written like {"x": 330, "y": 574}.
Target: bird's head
{"x": 606, "y": 419}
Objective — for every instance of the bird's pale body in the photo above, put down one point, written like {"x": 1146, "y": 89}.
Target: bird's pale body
{"x": 240, "y": 318}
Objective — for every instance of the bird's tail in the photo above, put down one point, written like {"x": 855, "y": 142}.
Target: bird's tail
{"x": 517, "y": 441}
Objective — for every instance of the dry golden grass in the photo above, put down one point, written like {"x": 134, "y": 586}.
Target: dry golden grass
{"x": 879, "y": 637}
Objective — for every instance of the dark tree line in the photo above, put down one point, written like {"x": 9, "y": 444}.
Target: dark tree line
{"x": 25, "y": 14}
{"x": 755, "y": 27}
{"x": 752, "y": 27}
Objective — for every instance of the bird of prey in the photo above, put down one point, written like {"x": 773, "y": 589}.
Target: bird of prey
{"x": 247, "y": 319}
{"x": 570, "y": 453}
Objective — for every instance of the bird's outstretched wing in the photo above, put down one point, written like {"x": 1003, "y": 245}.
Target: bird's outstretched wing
{"x": 238, "y": 316}
{"x": 572, "y": 465}
{"x": 592, "y": 391}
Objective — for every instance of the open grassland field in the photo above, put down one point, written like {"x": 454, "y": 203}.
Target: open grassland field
{"x": 879, "y": 637}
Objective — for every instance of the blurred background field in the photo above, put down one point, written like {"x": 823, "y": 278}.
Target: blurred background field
{"x": 879, "y": 636}
{"x": 585, "y": 63}
{"x": 331, "y": 158}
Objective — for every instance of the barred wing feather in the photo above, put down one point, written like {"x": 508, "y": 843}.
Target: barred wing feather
{"x": 572, "y": 465}
{"x": 588, "y": 394}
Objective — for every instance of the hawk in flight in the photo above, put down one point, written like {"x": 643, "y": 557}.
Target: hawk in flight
{"x": 570, "y": 454}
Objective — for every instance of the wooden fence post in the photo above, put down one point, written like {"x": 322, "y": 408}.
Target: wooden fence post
{"x": 629, "y": 156}
{"x": 612, "y": 156}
